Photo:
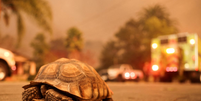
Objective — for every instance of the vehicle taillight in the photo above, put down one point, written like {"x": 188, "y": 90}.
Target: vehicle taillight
{"x": 196, "y": 69}
{"x": 127, "y": 75}
{"x": 13, "y": 68}
{"x": 171, "y": 69}
{"x": 132, "y": 74}
{"x": 155, "y": 67}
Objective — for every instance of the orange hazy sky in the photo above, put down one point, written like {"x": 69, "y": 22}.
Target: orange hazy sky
{"x": 100, "y": 19}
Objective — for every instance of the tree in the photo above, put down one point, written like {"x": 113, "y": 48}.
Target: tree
{"x": 109, "y": 55}
{"x": 38, "y": 10}
{"x": 133, "y": 41}
{"x": 7, "y": 42}
{"x": 40, "y": 49}
{"x": 57, "y": 50}
{"x": 74, "y": 43}
{"x": 126, "y": 48}
{"x": 155, "y": 21}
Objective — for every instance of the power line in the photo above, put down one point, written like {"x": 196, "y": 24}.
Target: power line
{"x": 102, "y": 13}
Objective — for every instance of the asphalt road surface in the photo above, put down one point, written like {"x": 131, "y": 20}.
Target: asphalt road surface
{"x": 156, "y": 91}
{"x": 126, "y": 91}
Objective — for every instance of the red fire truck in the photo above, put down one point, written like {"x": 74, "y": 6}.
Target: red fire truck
{"x": 176, "y": 56}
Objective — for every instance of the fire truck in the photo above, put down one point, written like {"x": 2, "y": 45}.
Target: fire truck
{"x": 7, "y": 63}
{"x": 176, "y": 56}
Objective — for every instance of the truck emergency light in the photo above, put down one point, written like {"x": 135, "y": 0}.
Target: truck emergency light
{"x": 192, "y": 41}
{"x": 171, "y": 69}
{"x": 154, "y": 45}
{"x": 170, "y": 50}
{"x": 155, "y": 67}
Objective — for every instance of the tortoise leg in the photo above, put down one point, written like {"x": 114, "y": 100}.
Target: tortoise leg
{"x": 53, "y": 95}
{"x": 31, "y": 93}
{"x": 108, "y": 99}
{"x": 43, "y": 89}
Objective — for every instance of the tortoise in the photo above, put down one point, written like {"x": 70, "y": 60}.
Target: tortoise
{"x": 67, "y": 80}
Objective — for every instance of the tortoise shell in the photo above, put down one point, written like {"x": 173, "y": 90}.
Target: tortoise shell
{"x": 73, "y": 77}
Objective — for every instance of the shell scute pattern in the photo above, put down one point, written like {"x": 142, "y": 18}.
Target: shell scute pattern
{"x": 70, "y": 73}
{"x": 73, "y": 77}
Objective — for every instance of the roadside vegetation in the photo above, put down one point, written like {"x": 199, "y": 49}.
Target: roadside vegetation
{"x": 131, "y": 44}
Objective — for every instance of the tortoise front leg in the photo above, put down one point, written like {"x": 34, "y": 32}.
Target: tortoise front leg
{"x": 31, "y": 93}
{"x": 53, "y": 95}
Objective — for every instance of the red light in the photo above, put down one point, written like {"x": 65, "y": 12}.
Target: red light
{"x": 13, "y": 68}
{"x": 193, "y": 57}
{"x": 175, "y": 69}
{"x": 171, "y": 69}
{"x": 173, "y": 41}
{"x": 167, "y": 69}
{"x": 196, "y": 69}
{"x": 132, "y": 74}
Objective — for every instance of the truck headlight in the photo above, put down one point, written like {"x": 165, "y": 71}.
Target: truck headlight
{"x": 154, "y": 45}
{"x": 170, "y": 50}
{"x": 155, "y": 67}
{"x": 192, "y": 41}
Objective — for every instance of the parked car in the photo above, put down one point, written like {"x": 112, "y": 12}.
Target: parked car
{"x": 104, "y": 74}
{"x": 7, "y": 63}
{"x": 132, "y": 74}
{"x": 122, "y": 72}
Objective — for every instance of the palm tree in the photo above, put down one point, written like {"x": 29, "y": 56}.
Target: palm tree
{"x": 155, "y": 10}
{"x": 156, "y": 21}
{"x": 38, "y": 10}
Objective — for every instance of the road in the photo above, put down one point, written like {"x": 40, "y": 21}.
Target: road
{"x": 11, "y": 91}
{"x": 156, "y": 91}
{"x": 126, "y": 91}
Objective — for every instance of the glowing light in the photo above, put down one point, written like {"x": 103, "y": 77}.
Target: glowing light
{"x": 13, "y": 68}
{"x": 193, "y": 57}
{"x": 192, "y": 41}
{"x": 155, "y": 67}
{"x": 2, "y": 75}
{"x": 196, "y": 69}
{"x": 174, "y": 69}
{"x": 127, "y": 75}
{"x": 132, "y": 75}
{"x": 154, "y": 45}
{"x": 170, "y": 50}
{"x": 171, "y": 69}
{"x": 6, "y": 54}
